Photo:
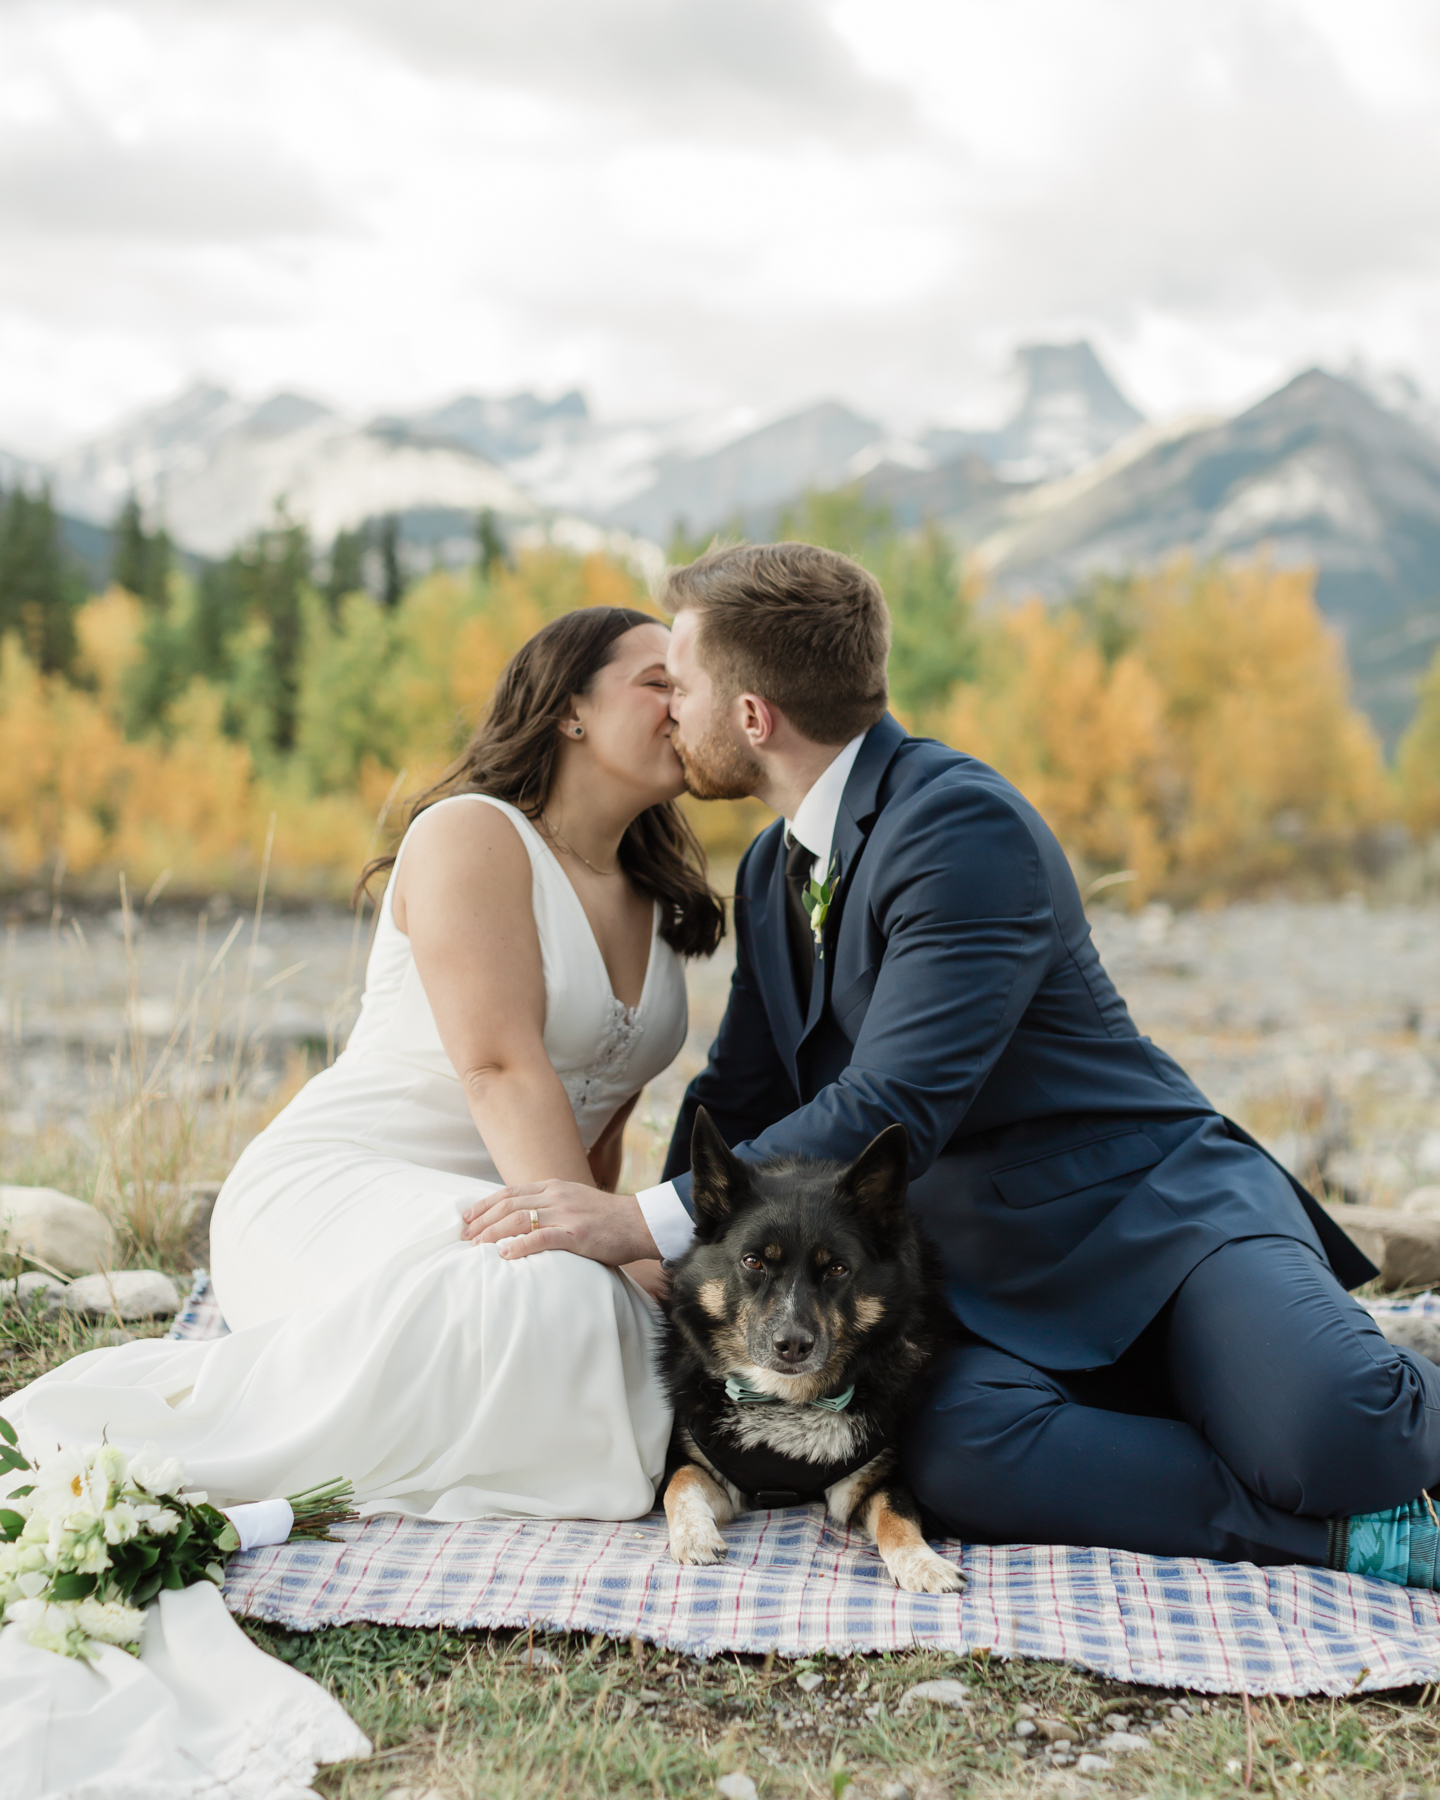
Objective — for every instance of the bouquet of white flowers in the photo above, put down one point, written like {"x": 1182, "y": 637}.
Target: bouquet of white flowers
{"x": 96, "y": 1536}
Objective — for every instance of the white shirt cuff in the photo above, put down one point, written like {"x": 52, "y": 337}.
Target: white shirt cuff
{"x": 670, "y": 1225}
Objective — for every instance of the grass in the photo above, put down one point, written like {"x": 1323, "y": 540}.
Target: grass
{"x": 501, "y": 1715}
{"x": 497, "y": 1715}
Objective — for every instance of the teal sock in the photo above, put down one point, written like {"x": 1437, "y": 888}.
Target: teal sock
{"x": 1401, "y": 1544}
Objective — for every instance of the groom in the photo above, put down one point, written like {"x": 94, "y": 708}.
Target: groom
{"x": 1158, "y": 1351}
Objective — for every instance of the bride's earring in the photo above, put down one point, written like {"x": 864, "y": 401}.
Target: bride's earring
{"x": 577, "y": 731}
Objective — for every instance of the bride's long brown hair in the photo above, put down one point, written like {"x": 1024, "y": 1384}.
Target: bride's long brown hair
{"x": 512, "y": 757}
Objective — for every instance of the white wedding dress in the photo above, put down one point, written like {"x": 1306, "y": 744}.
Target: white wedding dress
{"x": 369, "y": 1340}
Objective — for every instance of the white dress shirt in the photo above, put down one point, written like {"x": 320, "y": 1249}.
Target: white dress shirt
{"x": 813, "y": 826}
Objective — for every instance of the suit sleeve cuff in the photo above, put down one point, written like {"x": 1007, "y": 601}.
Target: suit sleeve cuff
{"x": 670, "y": 1225}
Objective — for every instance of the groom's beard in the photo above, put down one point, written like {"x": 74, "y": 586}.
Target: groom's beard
{"x": 717, "y": 768}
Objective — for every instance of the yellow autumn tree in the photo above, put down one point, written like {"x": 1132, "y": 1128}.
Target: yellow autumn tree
{"x": 1213, "y": 748}
{"x": 1417, "y": 761}
{"x": 1082, "y": 739}
{"x": 1270, "y": 767}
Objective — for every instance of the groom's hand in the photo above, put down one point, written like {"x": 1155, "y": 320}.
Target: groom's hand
{"x": 608, "y": 1228}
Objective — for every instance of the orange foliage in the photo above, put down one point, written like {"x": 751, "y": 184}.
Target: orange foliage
{"x": 1219, "y": 750}
{"x": 1079, "y": 739}
{"x": 1417, "y": 762}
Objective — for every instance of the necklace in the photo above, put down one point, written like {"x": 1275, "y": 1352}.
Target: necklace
{"x": 561, "y": 838}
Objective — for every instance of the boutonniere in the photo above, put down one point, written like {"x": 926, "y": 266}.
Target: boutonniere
{"x": 818, "y": 897}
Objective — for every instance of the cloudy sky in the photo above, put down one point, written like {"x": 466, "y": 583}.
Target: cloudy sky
{"x": 690, "y": 204}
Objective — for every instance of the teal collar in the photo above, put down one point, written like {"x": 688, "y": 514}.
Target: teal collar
{"x": 747, "y": 1394}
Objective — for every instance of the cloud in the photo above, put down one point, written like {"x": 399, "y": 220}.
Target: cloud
{"x": 84, "y": 184}
{"x": 684, "y": 203}
{"x": 728, "y": 68}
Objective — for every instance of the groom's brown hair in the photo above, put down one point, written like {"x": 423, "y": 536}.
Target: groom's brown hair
{"x": 805, "y": 628}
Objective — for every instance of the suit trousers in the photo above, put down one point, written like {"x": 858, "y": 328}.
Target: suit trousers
{"x": 1261, "y": 1402}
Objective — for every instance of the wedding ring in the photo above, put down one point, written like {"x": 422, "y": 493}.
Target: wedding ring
{"x": 534, "y": 1219}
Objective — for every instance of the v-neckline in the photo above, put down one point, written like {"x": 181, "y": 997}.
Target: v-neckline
{"x": 559, "y": 868}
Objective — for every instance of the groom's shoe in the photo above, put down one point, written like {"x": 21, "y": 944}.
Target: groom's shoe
{"x": 1401, "y": 1544}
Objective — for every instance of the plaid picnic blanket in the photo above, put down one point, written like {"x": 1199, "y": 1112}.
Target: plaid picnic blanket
{"x": 797, "y": 1584}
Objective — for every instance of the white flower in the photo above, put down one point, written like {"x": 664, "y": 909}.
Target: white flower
{"x": 120, "y": 1522}
{"x": 63, "y": 1487}
{"x": 49, "y": 1625}
{"x": 32, "y": 1583}
{"x": 194, "y": 1497}
{"x": 86, "y": 1550}
{"x": 157, "y": 1519}
{"x": 110, "y": 1621}
{"x": 155, "y": 1473}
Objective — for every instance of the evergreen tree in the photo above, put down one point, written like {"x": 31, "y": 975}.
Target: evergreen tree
{"x": 392, "y": 583}
{"x": 490, "y": 540}
{"x": 38, "y": 595}
{"x": 218, "y": 614}
{"x": 347, "y": 566}
{"x": 273, "y": 572}
{"x": 140, "y": 560}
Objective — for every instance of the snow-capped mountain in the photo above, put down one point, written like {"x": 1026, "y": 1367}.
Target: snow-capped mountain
{"x": 216, "y": 468}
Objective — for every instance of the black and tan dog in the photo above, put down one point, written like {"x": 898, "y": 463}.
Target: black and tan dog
{"x": 799, "y": 1324}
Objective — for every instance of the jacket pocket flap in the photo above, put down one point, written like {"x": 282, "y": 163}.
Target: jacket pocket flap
{"x": 1081, "y": 1166}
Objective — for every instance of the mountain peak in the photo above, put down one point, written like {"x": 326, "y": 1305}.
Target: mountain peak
{"x": 1071, "y": 412}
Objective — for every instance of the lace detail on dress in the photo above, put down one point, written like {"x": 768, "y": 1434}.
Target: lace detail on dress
{"x": 623, "y": 1031}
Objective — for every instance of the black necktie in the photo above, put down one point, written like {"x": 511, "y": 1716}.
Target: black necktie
{"x": 799, "y": 862}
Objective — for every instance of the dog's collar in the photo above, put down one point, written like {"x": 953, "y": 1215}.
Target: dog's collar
{"x": 747, "y": 1394}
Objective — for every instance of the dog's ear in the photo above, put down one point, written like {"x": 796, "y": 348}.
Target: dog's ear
{"x": 720, "y": 1178}
{"x": 879, "y": 1177}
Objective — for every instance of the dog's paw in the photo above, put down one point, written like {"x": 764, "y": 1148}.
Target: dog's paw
{"x": 696, "y": 1539}
{"x": 918, "y": 1570}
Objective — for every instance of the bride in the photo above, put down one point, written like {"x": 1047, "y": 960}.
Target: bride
{"x": 524, "y": 984}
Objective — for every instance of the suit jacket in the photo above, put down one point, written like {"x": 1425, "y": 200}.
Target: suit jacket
{"x": 1069, "y": 1171}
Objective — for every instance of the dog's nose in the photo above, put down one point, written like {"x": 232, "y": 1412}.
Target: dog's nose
{"x": 792, "y": 1345}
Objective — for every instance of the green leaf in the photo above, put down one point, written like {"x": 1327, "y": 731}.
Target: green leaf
{"x": 11, "y": 1459}
{"x": 144, "y": 1591}
{"x": 20, "y": 1493}
{"x": 171, "y": 1578}
{"x": 11, "y": 1523}
{"x": 7, "y": 1431}
{"x": 72, "y": 1586}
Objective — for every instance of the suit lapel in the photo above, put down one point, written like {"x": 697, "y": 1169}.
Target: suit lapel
{"x": 858, "y": 807}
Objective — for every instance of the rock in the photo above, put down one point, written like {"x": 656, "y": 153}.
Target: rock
{"x": 54, "y": 1228}
{"x": 123, "y": 1293}
{"x": 117, "y": 1336}
{"x": 1123, "y": 1743}
{"x": 1413, "y": 1331}
{"x": 934, "y": 1693}
{"x": 1090, "y": 1764}
{"x": 1405, "y": 1248}
{"x": 1057, "y": 1731}
{"x": 1423, "y": 1203}
{"x": 809, "y": 1681}
{"x": 1427, "y": 1158}
{"x": 737, "y": 1787}
{"x": 35, "y": 1289}
{"x": 894, "y": 1790}
{"x": 1024, "y": 1728}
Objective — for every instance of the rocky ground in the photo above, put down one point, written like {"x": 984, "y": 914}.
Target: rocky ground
{"x": 1316, "y": 1024}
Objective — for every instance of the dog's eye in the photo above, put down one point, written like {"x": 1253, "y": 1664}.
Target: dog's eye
{"x": 835, "y": 1271}
{"x": 753, "y": 1263}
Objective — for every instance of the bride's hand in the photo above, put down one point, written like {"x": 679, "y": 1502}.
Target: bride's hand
{"x": 608, "y": 1228}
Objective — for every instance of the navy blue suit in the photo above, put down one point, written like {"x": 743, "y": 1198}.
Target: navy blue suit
{"x": 1071, "y": 1174}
